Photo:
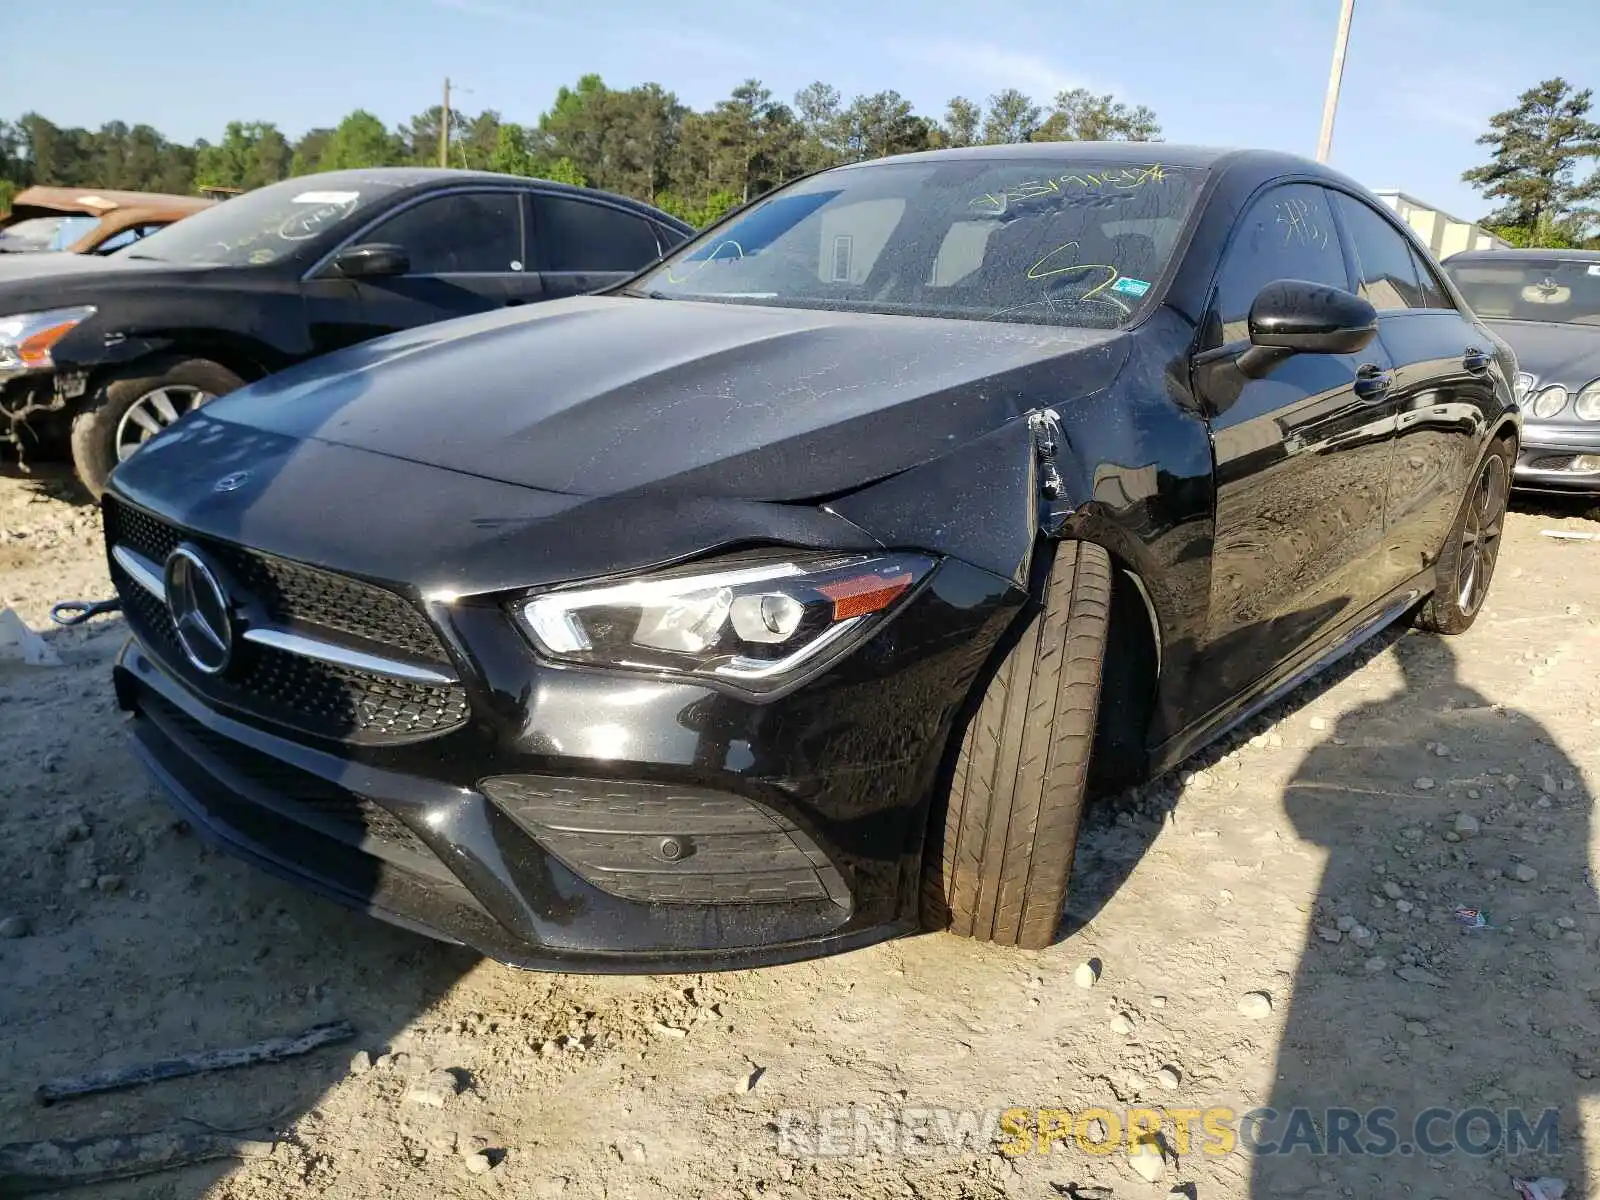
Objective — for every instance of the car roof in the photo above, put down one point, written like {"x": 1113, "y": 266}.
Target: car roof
{"x": 1245, "y": 169}
{"x": 421, "y": 177}
{"x": 1166, "y": 153}
{"x": 95, "y": 202}
{"x": 1533, "y": 255}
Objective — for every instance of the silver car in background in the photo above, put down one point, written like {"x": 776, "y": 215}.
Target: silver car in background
{"x": 1546, "y": 305}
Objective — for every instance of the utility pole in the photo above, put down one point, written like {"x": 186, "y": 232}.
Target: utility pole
{"x": 1331, "y": 104}
{"x": 444, "y": 125}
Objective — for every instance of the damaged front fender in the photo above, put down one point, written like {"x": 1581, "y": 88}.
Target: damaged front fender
{"x": 986, "y": 503}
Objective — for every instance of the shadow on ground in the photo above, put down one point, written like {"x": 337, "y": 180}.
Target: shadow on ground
{"x": 1379, "y": 1090}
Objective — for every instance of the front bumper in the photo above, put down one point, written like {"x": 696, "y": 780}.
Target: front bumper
{"x": 795, "y": 826}
{"x": 1550, "y": 459}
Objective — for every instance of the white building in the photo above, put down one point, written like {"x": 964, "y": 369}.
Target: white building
{"x": 1440, "y": 232}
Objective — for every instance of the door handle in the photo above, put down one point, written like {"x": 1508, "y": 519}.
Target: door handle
{"x": 1372, "y": 382}
{"x": 1476, "y": 360}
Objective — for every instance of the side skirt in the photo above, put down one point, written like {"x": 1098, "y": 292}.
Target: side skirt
{"x": 1222, "y": 722}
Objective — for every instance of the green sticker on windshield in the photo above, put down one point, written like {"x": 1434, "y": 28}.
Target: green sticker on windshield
{"x": 1130, "y": 286}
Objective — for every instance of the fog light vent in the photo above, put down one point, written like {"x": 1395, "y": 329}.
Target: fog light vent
{"x": 662, "y": 844}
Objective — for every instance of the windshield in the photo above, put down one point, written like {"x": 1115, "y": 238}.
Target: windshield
{"x": 1039, "y": 240}
{"x": 45, "y": 233}
{"x": 1527, "y": 290}
{"x": 261, "y": 226}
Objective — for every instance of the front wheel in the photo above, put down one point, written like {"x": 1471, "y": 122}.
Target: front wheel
{"x": 131, "y": 407}
{"x": 997, "y": 871}
{"x": 1466, "y": 564}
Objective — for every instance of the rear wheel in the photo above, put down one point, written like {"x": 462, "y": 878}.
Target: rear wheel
{"x": 997, "y": 871}
{"x": 130, "y": 408}
{"x": 1466, "y": 564}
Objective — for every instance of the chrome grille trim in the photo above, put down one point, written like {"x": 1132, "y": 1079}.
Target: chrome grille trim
{"x": 142, "y": 571}
{"x": 151, "y": 577}
{"x": 343, "y": 656}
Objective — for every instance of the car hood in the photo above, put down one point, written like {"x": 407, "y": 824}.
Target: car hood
{"x": 31, "y": 270}
{"x": 1555, "y": 353}
{"x": 601, "y": 396}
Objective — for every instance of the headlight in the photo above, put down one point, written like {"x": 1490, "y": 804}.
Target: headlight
{"x": 1549, "y": 401}
{"x": 1587, "y": 405}
{"x": 26, "y": 338}
{"x": 757, "y": 625}
{"x": 1524, "y": 385}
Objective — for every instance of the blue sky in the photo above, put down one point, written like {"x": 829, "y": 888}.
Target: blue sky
{"x": 1422, "y": 76}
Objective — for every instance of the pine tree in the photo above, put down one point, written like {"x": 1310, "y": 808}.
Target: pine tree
{"x": 1537, "y": 147}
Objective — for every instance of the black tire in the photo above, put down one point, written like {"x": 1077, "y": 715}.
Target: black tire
{"x": 1465, "y": 566}
{"x": 97, "y": 425}
{"x": 997, "y": 871}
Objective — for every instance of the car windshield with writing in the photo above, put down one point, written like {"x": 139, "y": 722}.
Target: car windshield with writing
{"x": 262, "y": 226}
{"x": 977, "y": 239}
{"x": 1562, "y": 291}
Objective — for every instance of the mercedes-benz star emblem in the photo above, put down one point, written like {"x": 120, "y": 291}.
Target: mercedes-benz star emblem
{"x": 231, "y": 483}
{"x": 199, "y": 609}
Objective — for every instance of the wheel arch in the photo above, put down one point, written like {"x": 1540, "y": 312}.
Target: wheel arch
{"x": 1508, "y": 430}
{"x": 1130, "y": 681}
{"x": 239, "y": 355}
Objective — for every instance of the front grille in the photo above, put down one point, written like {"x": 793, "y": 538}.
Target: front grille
{"x": 290, "y": 592}
{"x": 318, "y": 698}
{"x": 1553, "y": 462}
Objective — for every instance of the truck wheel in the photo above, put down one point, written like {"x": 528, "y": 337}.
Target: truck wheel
{"x": 132, "y": 406}
{"x": 998, "y": 869}
{"x": 1465, "y": 566}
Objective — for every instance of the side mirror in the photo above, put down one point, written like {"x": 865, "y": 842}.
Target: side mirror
{"x": 372, "y": 259}
{"x": 1292, "y": 316}
{"x": 1311, "y": 318}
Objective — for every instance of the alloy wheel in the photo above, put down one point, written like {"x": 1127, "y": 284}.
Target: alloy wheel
{"x": 153, "y": 412}
{"x": 1480, "y": 537}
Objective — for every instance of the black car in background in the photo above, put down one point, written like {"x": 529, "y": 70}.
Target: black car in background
{"x": 805, "y": 585}
{"x": 1546, "y": 304}
{"x": 124, "y": 345}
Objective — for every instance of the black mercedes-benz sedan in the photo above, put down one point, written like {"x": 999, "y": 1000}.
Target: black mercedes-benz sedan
{"x": 1546, "y": 305}
{"x": 799, "y": 589}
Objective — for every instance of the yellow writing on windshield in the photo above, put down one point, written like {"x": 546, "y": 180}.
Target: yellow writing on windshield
{"x": 674, "y": 276}
{"x": 1052, "y": 264}
{"x": 1108, "y": 180}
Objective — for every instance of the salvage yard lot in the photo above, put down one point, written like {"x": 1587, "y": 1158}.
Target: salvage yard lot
{"x": 1317, "y": 858}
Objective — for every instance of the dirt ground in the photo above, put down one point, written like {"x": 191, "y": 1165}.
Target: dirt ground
{"x": 1316, "y": 858}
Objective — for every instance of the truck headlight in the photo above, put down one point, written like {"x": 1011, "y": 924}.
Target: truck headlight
{"x": 26, "y": 339}
{"x": 757, "y": 626}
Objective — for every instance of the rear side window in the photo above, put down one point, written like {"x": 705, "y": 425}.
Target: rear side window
{"x": 1388, "y": 269}
{"x": 670, "y": 237}
{"x": 580, "y": 235}
{"x": 1433, "y": 293}
{"x": 1287, "y": 233}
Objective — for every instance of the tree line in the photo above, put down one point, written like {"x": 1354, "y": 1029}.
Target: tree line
{"x": 639, "y": 141}
{"x": 643, "y": 142}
